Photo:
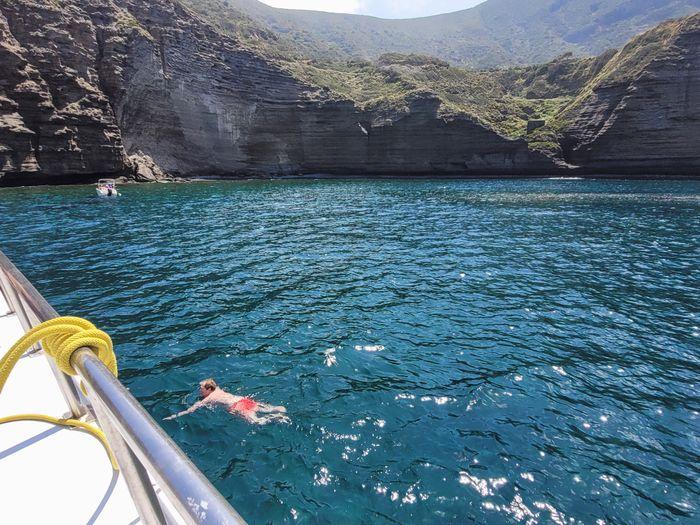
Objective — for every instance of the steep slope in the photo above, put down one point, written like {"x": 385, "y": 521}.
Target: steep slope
{"x": 502, "y": 100}
{"x": 642, "y": 111}
{"x": 208, "y": 105}
{"x": 495, "y": 33}
{"x": 55, "y": 122}
{"x": 125, "y": 87}
{"x": 120, "y": 77}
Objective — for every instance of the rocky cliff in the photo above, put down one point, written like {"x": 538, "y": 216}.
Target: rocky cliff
{"x": 200, "y": 103}
{"x": 94, "y": 88}
{"x": 642, "y": 113}
{"x": 55, "y": 121}
{"x": 103, "y": 80}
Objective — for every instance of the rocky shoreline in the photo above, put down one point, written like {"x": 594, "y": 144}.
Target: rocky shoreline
{"x": 151, "y": 92}
{"x": 564, "y": 176}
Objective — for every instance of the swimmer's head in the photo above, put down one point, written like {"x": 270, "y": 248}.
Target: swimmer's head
{"x": 206, "y": 387}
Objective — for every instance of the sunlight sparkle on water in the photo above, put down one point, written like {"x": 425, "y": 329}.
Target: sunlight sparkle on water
{"x": 453, "y": 292}
{"x": 369, "y": 348}
{"x": 330, "y": 357}
{"x": 323, "y": 477}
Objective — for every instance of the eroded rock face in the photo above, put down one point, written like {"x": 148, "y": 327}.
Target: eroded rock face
{"x": 23, "y": 93}
{"x": 145, "y": 169}
{"x": 94, "y": 88}
{"x": 649, "y": 124}
{"x": 116, "y": 77}
{"x": 414, "y": 141}
{"x": 56, "y": 123}
{"x": 199, "y": 104}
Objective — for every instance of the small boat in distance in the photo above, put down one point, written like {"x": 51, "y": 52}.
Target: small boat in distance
{"x": 107, "y": 188}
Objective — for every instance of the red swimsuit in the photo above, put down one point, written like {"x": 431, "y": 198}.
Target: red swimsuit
{"x": 244, "y": 405}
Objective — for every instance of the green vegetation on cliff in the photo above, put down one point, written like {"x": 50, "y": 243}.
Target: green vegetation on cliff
{"x": 634, "y": 57}
{"x": 505, "y": 100}
{"x": 501, "y": 100}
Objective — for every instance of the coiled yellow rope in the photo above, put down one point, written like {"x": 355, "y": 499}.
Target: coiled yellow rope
{"x": 61, "y": 337}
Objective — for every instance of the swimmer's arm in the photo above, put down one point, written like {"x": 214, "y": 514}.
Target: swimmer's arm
{"x": 196, "y": 406}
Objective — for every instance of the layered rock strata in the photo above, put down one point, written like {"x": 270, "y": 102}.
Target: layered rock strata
{"x": 116, "y": 77}
{"x": 200, "y": 104}
{"x": 94, "y": 88}
{"x": 648, "y": 122}
{"x": 56, "y": 124}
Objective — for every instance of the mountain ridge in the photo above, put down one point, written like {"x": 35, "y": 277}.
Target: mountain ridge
{"x": 492, "y": 34}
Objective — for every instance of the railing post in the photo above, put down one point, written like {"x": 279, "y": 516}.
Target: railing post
{"x": 192, "y": 495}
{"x": 135, "y": 475}
{"x": 143, "y": 450}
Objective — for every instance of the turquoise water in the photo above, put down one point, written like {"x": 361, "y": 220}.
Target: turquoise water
{"x": 505, "y": 351}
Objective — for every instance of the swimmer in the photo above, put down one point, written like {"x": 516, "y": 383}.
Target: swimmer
{"x": 212, "y": 396}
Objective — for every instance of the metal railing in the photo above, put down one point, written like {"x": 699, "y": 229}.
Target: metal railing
{"x": 142, "y": 448}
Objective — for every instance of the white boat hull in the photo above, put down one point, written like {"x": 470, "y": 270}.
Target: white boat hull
{"x": 106, "y": 192}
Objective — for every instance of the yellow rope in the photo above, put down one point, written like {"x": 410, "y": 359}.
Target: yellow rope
{"x": 76, "y": 423}
{"x": 61, "y": 337}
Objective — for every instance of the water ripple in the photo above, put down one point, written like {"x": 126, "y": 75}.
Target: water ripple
{"x": 449, "y": 351}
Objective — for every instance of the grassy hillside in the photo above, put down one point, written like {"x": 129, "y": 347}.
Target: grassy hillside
{"x": 504, "y": 100}
{"x": 622, "y": 67}
{"x": 495, "y": 33}
{"x": 634, "y": 57}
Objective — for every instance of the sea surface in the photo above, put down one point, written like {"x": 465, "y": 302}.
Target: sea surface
{"x": 449, "y": 351}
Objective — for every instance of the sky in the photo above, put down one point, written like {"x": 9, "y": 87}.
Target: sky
{"x": 381, "y": 8}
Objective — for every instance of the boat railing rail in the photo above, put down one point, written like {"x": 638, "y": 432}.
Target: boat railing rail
{"x": 142, "y": 448}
